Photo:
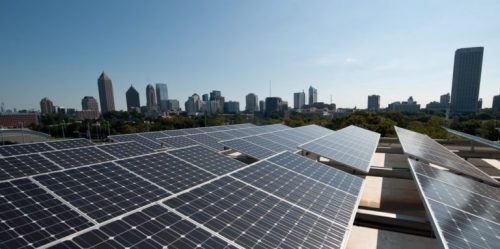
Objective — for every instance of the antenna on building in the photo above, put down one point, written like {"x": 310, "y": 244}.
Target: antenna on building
{"x": 270, "y": 93}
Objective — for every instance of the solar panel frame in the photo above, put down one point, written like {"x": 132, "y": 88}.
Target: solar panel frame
{"x": 153, "y": 135}
{"x": 178, "y": 142}
{"x": 70, "y": 143}
{"x": 175, "y": 133}
{"x": 71, "y": 158}
{"x": 125, "y": 149}
{"x": 269, "y": 144}
{"x": 207, "y": 140}
{"x": 137, "y": 138}
{"x": 477, "y": 139}
{"x": 22, "y": 149}
{"x": 249, "y": 149}
{"x": 25, "y": 165}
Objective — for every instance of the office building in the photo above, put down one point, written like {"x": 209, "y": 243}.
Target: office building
{"x": 232, "y": 107}
{"x": 46, "y": 106}
{"x": 173, "y": 105}
{"x": 106, "y": 96}
{"x": 480, "y": 104}
{"x": 273, "y": 106}
{"x": 252, "y": 103}
{"x": 90, "y": 103}
{"x": 466, "y": 80}
{"x": 299, "y": 100}
{"x": 445, "y": 99}
{"x": 214, "y": 94}
{"x": 374, "y": 103}
{"x": 204, "y": 97}
{"x": 150, "y": 97}
{"x": 405, "y": 106}
{"x": 193, "y": 105}
{"x": 133, "y": 101}
{"x": 162, "y": 96}
{"x": 496, "y": 103}
{"x": 313, "y": 95}
{"x": 262, "y": 106}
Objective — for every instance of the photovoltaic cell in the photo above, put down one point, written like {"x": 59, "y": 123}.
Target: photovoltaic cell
{"x": 137, "y": 138}
{"x": 207, "y": 140}
{"x": 166, "y": 171}
{"x": 25, "y": 165}
{"x": 31, "y": 217}
{"x": 153, "y": 135}
{"x": 20, "y": 149}
{"x": 351, "y": 146}
{"x": 78, "y": 157}
{"x": 153, "y": 227}
{"x": 480, "y": 140}
{"x": 268, "y": 144}
{"x": 207, "y": 159}
{"x": 175, "y": 133}
{"x": 425, "y": 148}
{"x": 177, "y": 142}
{"x": 102, "y": 191}
{"x": 70, "y": 143}
{"x": 254, "y": 219}
{"x": 248, "y": 148}
{"x": 312, "y": 195}
{"x": 320, "y": 172}
{"x": 221, "y": 135}
{"x": 126, "y": 149}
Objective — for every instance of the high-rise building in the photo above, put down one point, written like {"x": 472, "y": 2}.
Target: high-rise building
{"x": 214, "y": 94}
{"x": 480, "y": 104}
{"x": 173, "y": 105}
{"x": 313, "y": 95}
{"x": 89, "y": 103}
{"x": 273, "y": 105}
{"x": 46, "y": 106}
{"x": 106, "y": 97}
{"x": 194, "y": 104}
{"x": 496, "y": 103}
{"x": 252, "y": 103}
{"x": 466, "y": 80}
{"x": 150, "y": 97}
{"x": 162, "y": 96}
{"x": 231, "y": 107}
{"x": 133, "y": 101}
{"x": 262, "y": 106}
{"x": 445, "y": 99}
{"x": 299, "y": 100}
{"x": 204, "y": 97}
{"x": 374, "y": 103}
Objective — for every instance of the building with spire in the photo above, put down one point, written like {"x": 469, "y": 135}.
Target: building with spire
{"x": 106, "y": 96}
{"x": 150, "y": 97}
{"x": 133, "y": 101}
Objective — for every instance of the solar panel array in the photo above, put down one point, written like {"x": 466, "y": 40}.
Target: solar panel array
{"x": 464, "y": 213}
{"x": 425, "y": 148}
{"x": 29, "y": 148}
{"x": 351, "y": 146}
{"x": 480, "y": 140}
{"x": 125, "y": 195}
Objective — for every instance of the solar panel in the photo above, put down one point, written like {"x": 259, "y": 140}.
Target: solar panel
{"x": 238, "y": 133}
{"x": 314, "y": 130}
{"x": 102, "y": 191}
{"x": 126, "y": 149}
{"x": 480, "y": 140}
{"x": 208, "y": 141}
{"x": 207, "y": 159}
{"x": 253, "y": 219}
{"x": 320, "y": 172}
{"x": 175, "y": 133}
{"x": 153, "y": 135}
{"x": 25, "y": 165}
{"x": 137, "y": 138}
{"x": 293, "y": 135}
{"x": 78, "y": 157}
{"x": 461, "y": 217}
{"x": 166, "y": 171}
{"x": 305, "y": 192}
{"x": 425, "y": 148}
{"x": 70, "y": 143}
{"x": 268, "y": 144}
{"x": 351, "y": 146}
{"x": 221, "y": 135}
{"x": 248, "y": 148}
{"x": 177, "y": 142}
{"x": 20, "y": 149}
{"x": 193, "y": 131}
{"x": 153, "y": 227}
{"x": 281, "y": 138}
{"x": 31, "y": 217}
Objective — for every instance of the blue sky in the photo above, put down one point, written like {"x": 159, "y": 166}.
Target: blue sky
{"x": 346, "y": 49}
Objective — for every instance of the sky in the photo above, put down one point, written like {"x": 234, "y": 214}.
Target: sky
{"x": 346, "y": 49}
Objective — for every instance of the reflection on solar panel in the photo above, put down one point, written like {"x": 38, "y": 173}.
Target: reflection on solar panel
{"x": 102, "y": 191}
{"x": 248, "y": 148}
{"x": 137, "y": 138}
{"x": 480, "y": 140}
{"x": 26, "y": 165}
{"x": 126, "y": 149}
{"x": 207, "y": 159}
{"x": 31, "y": 217}
{"x": 462, "y": 218}
{"x": 19, "y": 149}
{"x": 351, "y": 146}
{"x": 254, "y": 219}
{"x": 425, "y": 148}
{"x": 166, "y": 171}
{"x": 78, "y": 157}
{"x": 208, "y": 141}
{"x": 177, "y": 142}
{"x": 70, "y": 143}
{"x": 153, "y": 227}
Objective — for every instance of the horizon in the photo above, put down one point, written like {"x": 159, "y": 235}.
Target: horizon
{"x": 345, "y": 50}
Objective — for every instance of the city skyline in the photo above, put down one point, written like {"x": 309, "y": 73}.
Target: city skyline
{"x": 395, "y": 53}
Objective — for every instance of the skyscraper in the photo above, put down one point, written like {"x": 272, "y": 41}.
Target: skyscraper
{"x": 106, "y": 93}
{"x": 133, "y": 101}
{"x": 252, "y": 103}
{"x": 466, "y": 80}
{"x": 374, "y": 103}
{"x": 313, "y": 95}
{"x": 46, "y": 106}
{"x": 150, "y": 97}
{"x": 445, "y": 99}
{"x": 262, "y": 106}
{"x": 204, "y": 97}
{"x": 89, "y": 103}
{"x": 496, "y": 103}
{"x": 273, "y": 105}
{"x": 299, "y": 100}
{"x": 214, "y": 94}
{"x": 162, "y": 96}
